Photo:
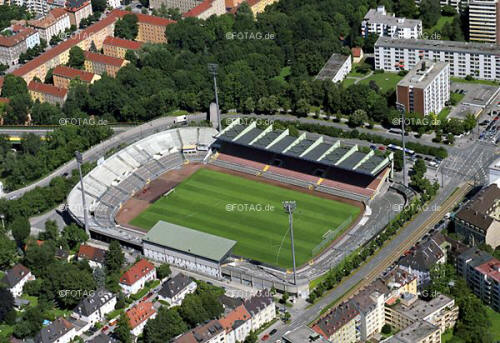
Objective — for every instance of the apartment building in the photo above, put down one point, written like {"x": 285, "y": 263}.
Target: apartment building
{"x": 258, "y": 6}
{"x": 182, "y": 5}
{"x": 78, "y": 10}
{"x": 114, "y": 3}
{"x": 479, "y": 220}
{"x": 100, "y": 64}
{"x": 136, "y": 277}
{"x": 453, "y": 3}
{"x": 118, "y": 47}
{"x": 53, "y": 24}
{"x": 211, "y": 332}
{"x": 370, "y": 305}
{"x": 93, "y": 309}
{"x": 238, "y": 324}
{"x": 479, "y": 60}
{"x": 22, "y": 39}
{"x": 262, "y": 309}
{"x": 206, "y": 9}
{"x": 63, "y": 76}
{"x": 482, "y": 273}
{"x": 484, "y": 21}
{"x": 139, "y": 315}
{"x": 426, "y": 88}
{"x": 378, "y": 21}
{"x": 340, "y": 324}
{"x": 47, "y": 93}
{"x": 151, "y": 28}
{"x": 419, "y": 332}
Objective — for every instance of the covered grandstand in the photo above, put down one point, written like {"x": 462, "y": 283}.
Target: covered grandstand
{"x": 333, "y": 168}
{"x": 128, "y": 171}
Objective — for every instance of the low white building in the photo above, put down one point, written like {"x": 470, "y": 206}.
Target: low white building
{"x": 139, "y": 315}
{"x": 136, "y": 277}
{"x": 16, "y": 278}
{"x": 378, "y": 21}
{"x": 175, "y": 289}
{"x": 336, "y": 68}
{"x": 114, "y": 3}
{"x": 93, "y": 309}
{"x": 59, "y": 331}
{"x": 261, "y": 308}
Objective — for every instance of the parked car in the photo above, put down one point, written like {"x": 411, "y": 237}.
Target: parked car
{"x": 273, "y": 331}
{"x": 265, "y": 338}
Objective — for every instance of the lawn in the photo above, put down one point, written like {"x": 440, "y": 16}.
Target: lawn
{"x": 250, "y": 213}
{"x": 385, "y": 81}
{"x": 494, "y": 318}
{"x": 439, "y": 26}
{"x": 483, "y": 82}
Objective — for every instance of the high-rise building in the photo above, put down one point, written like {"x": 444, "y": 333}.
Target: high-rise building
{"x": 484, "y": 21}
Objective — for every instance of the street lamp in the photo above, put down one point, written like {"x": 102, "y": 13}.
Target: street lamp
{"x": 401, "y": 108}
{"x": 289, "y": 207}
{"x": 79, "y": 161}
{"x": 2, "y": 216}
{"x": 212, "y": 68}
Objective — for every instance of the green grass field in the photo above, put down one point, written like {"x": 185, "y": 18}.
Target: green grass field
{"x": 214, "y": 202}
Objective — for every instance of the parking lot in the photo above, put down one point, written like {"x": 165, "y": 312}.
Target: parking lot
{"x": 489, "y": 127}
{"x": 476, "y": 97}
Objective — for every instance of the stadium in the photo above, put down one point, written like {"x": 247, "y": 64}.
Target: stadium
{"x": 205, "y": 201}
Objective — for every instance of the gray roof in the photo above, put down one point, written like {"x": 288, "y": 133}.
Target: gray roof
{"x": 14, "y": 275}
{"x": 257, "y": 303}
{"x": 474, "y": 257}
{"x": 189, "y": 241}
{"x": 229, "y": 303}
{"x": 422, "y": 74}
{"x": 52, "y": 332}
{"x": 102, "y": 338}
{"x": 424, "y": 256}
{"x": 174, "y": 285}
{"x": 378, "y": 17}
{"x": 439, "y": 45}
{"x": 303, "y": 334}
{"x": 332, "y": 66}
{"x": 414, "y": 333}
{"x": 92, "y": 303}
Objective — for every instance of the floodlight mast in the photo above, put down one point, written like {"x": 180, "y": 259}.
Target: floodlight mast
{"x": 79, "y": 161}
{"x": 289, "y": 207}
{"x": 212, "y": 68}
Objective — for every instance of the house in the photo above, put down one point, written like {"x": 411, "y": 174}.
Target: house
{"x": 53, "y": 24}
{"x": 139, "y": 315}
{"x": 63, "y": 76}
{"x": 212, "y": 332}
{"x": 238, "y": 324}
{"x": 78, "y": 10}
{"x": 47, "y": 93}
{"x": 118, "y": 47}
{"x": 136, "y": 277}
{"x": 59, "y": 331}
{"x": 93, "y": 308}
{"x": 261, "y": 308}
{"x": 100, "y": 64}
{"x": 175, "y": 289}
{"x": 357, "y": 54}
{"x": 96, "y": 257}
{"x": 102, "y": 338}
{"x": 15, "y": 279}
{"x": 229, "y": 303}
{"x": 340, "y": 324}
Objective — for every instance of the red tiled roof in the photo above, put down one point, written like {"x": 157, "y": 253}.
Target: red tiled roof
{"x": 4, "y": 100}
{"x": 196, "y": 11}
{"x": 144, "y": 18}
{"x": 356, "y": 51}
{"x": 103, "y": 59}
{"x": 47, "y": 89}
{"x": 239, "y": 313}
{"x": 122, "y": 43}
{"x": 136, "y": 272}
{"x": 49, "y": 19}
{"x": 73, "y": 73}
{"x": 139, "y": 313}
{"x": 91, "y": 253}
{"x": 490, "y": 268}
{"x": 17, "y": 38}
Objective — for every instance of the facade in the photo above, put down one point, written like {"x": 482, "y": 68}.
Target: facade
{"x": 152, "y": 29}
{"x": 479, "y": 60}
{"x": 336, "y": 68}
{"x": 186, "y": 248}
{"x": 212, "y": 332}
{"x": 370, "y": 305}
{"x": 482, "y": 273}
{"x": 175, "y": 289}
{"x": 139, "y": 315}
{"x": 182, "y": 5}
{"x": 206, "y": 9}
{"x": 340, "y": 324}
{"x": 118, "y": 47}
{"x": 92, "y": 309}
{"x": 426, "y": 88}
{"x": 136, "y": 277}
{"x": 11, "y": 47}
{"x": 96, "y": 257}
{"x": 15, "y": 279}
{"x": 258, "y": 6}
{"x": 484, "y": 21}
{"x": 78, "y": 10}
{"x": 479, "y": 221}
{"x": 378, "y": 21}
{"x": 357, "y": 54}
{"x": 261, "y": 308}
{"x": 53, "y": 24}
{"x": 238, "y": 324}
{"x": 59, "y": 331}
{"x": 114, "y": 3}
{"x": 101, "y": 64}
{"x": 47, "y": 93}
{"x": 63, "y": 75}
{"x": 418, "y": 332}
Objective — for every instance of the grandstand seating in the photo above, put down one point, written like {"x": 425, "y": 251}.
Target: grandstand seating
{"x": 110, "y": 184}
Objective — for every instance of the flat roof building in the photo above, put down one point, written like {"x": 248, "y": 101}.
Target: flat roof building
{"x": 378, "y": 21}
{"x": 484, "y": 21}
{"x": 336, "y": 68}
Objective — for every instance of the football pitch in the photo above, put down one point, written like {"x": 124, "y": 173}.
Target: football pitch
{"x": 252, "y": 214}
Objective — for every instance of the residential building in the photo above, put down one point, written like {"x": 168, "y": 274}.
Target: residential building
{"x": 92, "y": 309}
{"x": 238, "y": 324}
{"x": 152, "y": 29}
{"x": 420, "y": 260}
{"x": 53, "y": 24}
{"x": 59, "y": 331}
{"x": 370, "y": 305}
{"x": 419, "y": 332}
{"x": 136, "y": 277}
{"x": 357, "y": 54}
{"x": 262, "y": 309}
{"x": 229, "y": 303}
{"x": 139, "y": 315}
{"x": 96, "y": 257}
{"x": 398, "y": 281}
{"x": 484, "y": 21}
{"x": 258, "y": 6}
{"x": 15, "y": 279}
{"x": 175, "y": 289}
{"x": 212, "y": 332}
{"x": 78, "y": 10}
{"x": 480, "y": 60}
{"x": 482, "y": 273}
{"x": 118, "y": 47}
{"x": 47, "y": 93}
{"x": 340, "y": 324}
{"x": 114, "y": 3}
{"x": 479, "y": 220}
{"x": 426, "y": 88}
{"x": 303, "y": 334}
{"x": 102, "y": 338}
{"x": 22, "y": 39}
{"x": 378, "y": 21}
{"x": 63, "y": 76}
{"x": 100, "y": 64}
{"x": 336, "y": 68}
{"x": 206, "y": 9}
{"x": 494, "y": 173}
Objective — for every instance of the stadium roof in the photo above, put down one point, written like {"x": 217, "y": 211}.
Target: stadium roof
{"x": 190, "y": 241}
{"x": 312, "y": 150}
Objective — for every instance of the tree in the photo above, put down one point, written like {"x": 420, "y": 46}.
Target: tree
{"x": 252, "y": 337}
{"x": 127, "y": 27}
{"x": 76, "y": 57}
{"x": 21, "y": 229}
{"x": 30, "y": 324}
{"x": 285, "y": 297}
{"x": 74, "y": 235}
{"x": 14, "y": 85}
{"x": 114, "y": 257}
{"x": 7, "y": 251}
{"x": 359, "y": 117}
{"x": 122, "y": 330}
{"x": 167, "y": 325}
{"x": 51, "y": 232}
{"x": 386, "y": 329}
{"x": 430, "y": 11}
{"x": 163, "y": 271}
{"x": 6, "y": 303}
{"x": 99, "y": 5}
